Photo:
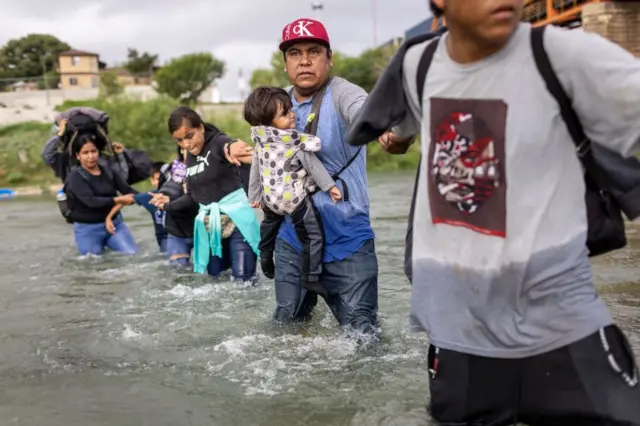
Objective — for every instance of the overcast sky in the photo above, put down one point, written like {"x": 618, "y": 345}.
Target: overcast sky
{"x": 243, "y": 33}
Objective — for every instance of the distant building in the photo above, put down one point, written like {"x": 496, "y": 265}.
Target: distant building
{"x": 126, "y": 78}
{"x": 423, "y": 27}
{"x": 78, "y": 69}
{"x": 23, "y": 86}
{"x": 243, "y": 87}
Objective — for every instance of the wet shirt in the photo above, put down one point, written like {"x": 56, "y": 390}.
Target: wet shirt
{"x": 92, "y": 196}
{"x": 500, "y": 264}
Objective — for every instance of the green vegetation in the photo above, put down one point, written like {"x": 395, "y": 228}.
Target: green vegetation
{"x": 362, "y": 70}
{"x": 109, "y": 85}
{"x": 187, "y": 77}
{"x": 137, "y": 124}
{"x": 30, "y": 57}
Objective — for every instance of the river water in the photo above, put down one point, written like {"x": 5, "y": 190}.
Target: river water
{"x": 127, "y": 341}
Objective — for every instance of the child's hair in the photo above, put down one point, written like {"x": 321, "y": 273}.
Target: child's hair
{"x": 261, "y": 106}
{"x": 157, "y": 167}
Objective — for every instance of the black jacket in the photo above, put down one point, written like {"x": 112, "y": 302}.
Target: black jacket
{"x": 386, "y": 105}
{"x": 178, "y": 223}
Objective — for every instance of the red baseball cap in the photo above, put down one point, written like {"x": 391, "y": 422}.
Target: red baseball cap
{"x": 303, "y": 29}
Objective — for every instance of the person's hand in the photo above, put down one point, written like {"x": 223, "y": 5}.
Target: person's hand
{"x": 111, "y": 228}
{"x": 62, "y": 127}
{"x": 237, "y": 152}
{"x": 159, "y": 200}
{"x": 393, "y": 144}
{"x": 125, "y": 200}
{"x": 118, "y": 148}
{"x": 335, "y": 194}
{"x": 206, "y": 223}
{"x": 256, "y": 205}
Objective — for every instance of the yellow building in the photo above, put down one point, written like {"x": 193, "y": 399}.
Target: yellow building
{"x": 125, "y": 78}
{"x": 78, "y": 70}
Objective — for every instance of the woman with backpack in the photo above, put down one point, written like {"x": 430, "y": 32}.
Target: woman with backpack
{"x": 95, "y": 204}
{"x": 215, "y": 187}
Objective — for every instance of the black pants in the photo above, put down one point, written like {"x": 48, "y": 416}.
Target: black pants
{"x": 582, "y": 384}
{"x": 308, "y": 226}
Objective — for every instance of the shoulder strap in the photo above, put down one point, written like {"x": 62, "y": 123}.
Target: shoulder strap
{"x": 581, "y": 141}
{"x": 312, "y": 124}
{"x": 421, "y": 77}
{"x": 423, "y": 67}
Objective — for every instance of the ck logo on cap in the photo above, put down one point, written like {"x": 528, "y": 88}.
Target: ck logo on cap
{"x": 301, "y": 30}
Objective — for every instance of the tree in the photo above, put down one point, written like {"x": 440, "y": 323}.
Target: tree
{"x": 25, "y": 57}
{"x": 109, "y": 85}
{"x": 275, "y": 76}
{"x": 186, "y": 77}
{"x": 362, "y": 70}
{"x": 140, "y": 64}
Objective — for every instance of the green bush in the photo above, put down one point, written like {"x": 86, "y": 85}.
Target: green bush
{"x": 142, "y": 125}
{"x": 15, "y": 176}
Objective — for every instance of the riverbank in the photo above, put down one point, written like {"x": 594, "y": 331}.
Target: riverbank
{"x": 141, "y": 125}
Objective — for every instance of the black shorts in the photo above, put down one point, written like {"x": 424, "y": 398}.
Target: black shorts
{"x": 591, "y": 382}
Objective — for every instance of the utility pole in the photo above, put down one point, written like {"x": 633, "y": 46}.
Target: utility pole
{"x": 375, "y": 24}
{"x": 317, "y": 8}
{"x": 43, "y": 59}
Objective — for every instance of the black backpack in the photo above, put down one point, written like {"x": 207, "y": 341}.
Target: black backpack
{"x": 606, "y": 228}
{"x": 140, "y": 165}
{"x": 76, "y": 126}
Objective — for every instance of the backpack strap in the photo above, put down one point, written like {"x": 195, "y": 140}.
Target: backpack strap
{"x": 312, "y": 129}
{"x": 421, "y": 78}
{"x": 423, "y": 67}
{"x": 580, "y": 139}
{"x": 312, "y": 123}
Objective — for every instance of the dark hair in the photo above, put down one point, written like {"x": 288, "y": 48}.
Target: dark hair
{"x": 261, "y": 106}
{"x": 437, "y": 12}
{"x": 181, "y": 115}
{"x": 81, "y": 141}
{"x": 157, "y": 166}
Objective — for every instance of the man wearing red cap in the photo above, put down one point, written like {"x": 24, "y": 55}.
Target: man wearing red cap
{"x": 350, "y": 275}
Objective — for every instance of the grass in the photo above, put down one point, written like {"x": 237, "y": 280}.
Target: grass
{"x": 142, "y": 125}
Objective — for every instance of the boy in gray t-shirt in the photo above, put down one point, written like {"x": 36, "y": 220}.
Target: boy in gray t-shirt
{"x": 284, "y": 173}
{"x": 502, "y": 282}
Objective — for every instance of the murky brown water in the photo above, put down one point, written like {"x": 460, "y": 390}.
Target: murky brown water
{"x": 126, "y": 341}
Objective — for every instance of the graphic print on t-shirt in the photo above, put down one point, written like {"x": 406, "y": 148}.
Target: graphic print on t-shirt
{"x": 199, "y": 166}
{"x": 466, "y": 176}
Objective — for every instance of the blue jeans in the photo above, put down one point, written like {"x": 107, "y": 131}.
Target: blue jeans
{"x": 92, "y": 238}
{"x": 351, "y": 285}
{"x": 237, "y": 255}
{"x": 179, "y": 246}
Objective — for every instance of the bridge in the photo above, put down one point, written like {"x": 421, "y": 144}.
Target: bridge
{"x": 543, "y": 12}
{"x": 556, "y": 12}
{"x": 617, "y": 20}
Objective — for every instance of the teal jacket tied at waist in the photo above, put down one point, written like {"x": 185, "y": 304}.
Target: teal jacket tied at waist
{"x": 236, "y": 206}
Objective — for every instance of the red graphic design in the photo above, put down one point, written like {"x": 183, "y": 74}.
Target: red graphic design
{"x": 466, "y": 178}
